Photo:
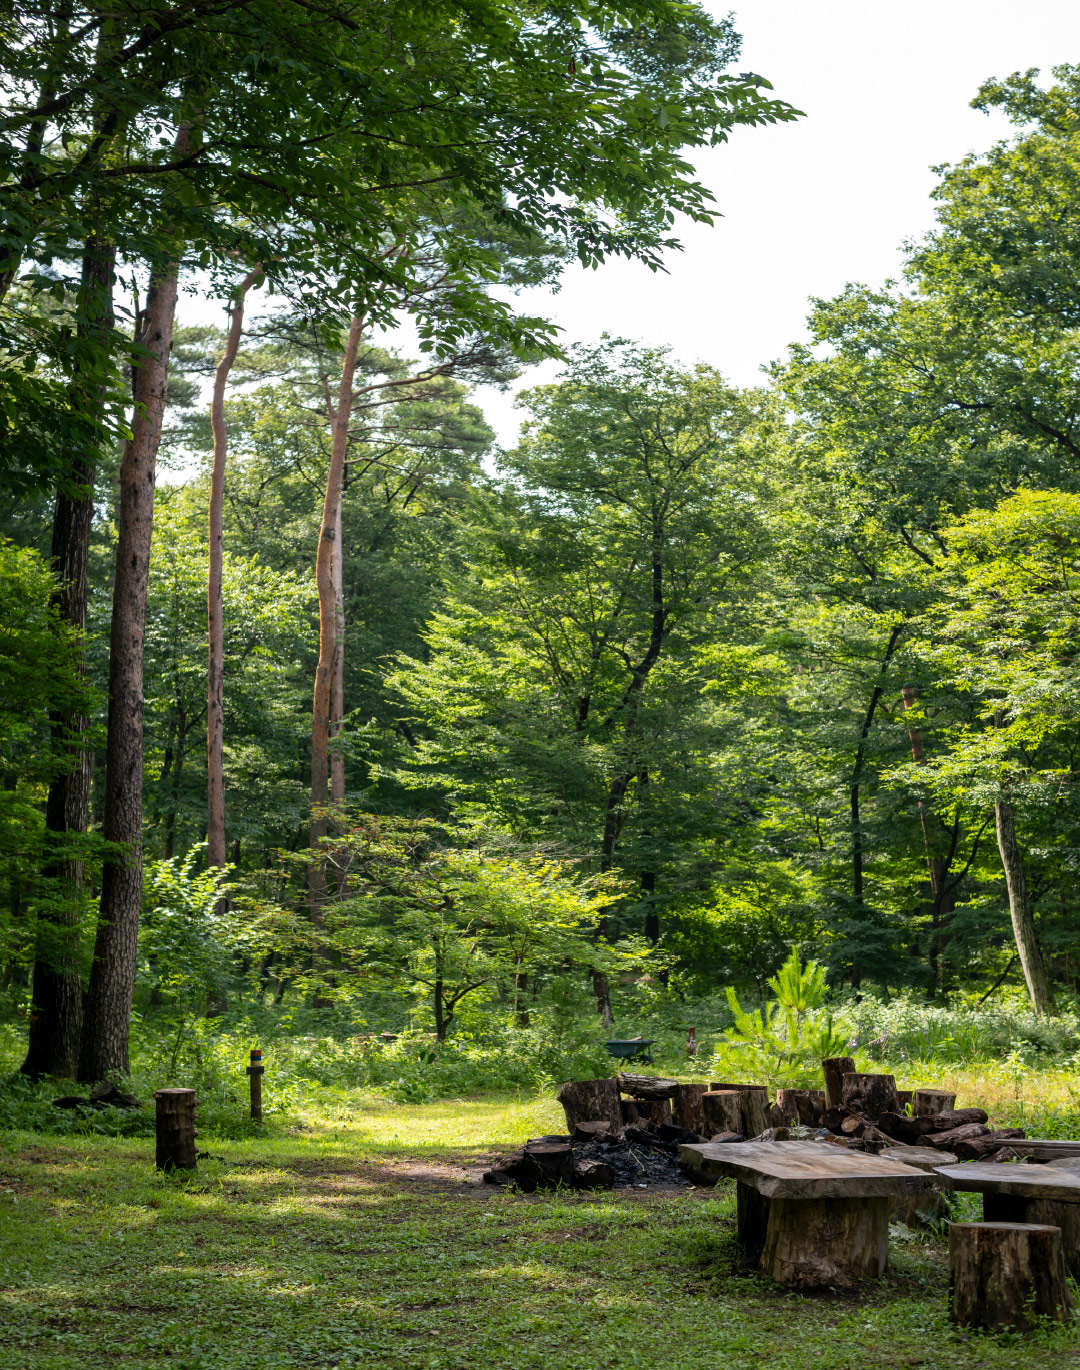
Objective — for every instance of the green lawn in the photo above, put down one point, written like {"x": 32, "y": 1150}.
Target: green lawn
{"x": 373, "y": 1244}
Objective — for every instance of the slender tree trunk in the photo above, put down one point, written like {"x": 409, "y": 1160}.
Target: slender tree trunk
{"x": 56, "y": 1017}
{"x": 112, "y": 975}
{"x": 337, "y": 684}
{"x": 328, "y": 550}
{"x": 1023, "y": 921}
{"x": 215, "y": 687}
{"x": 858, "y": 770}
{"x": 937, "y": 865}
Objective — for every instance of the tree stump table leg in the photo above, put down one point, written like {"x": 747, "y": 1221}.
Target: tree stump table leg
{"x": 751, "y": 1219}
{"x": 1006, "y": 1275}
{"x": 814, "y": 1243}
{"x": 1007, "y": 1208}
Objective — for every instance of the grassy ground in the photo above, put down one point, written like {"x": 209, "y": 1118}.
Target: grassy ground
{"x": 370, "y": 1242}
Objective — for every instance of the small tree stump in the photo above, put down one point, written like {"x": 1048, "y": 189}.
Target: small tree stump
{"x": 925, "y": 1103}
{"x": 641, "y": 1112}
{"x": 800, "y": 1106}
{"x": 1010, "y": 1208}
{"x": 818, "y": 1243}
{"x": 903, "y": 1099}
{"x": 586, "y": 1101}
{"x": 870, "y": 1095}
{"x": 1006, "y": 1275}
{"x": 687, "y": 1108}
{"x": 834, "y": 1068}
{"x": 174, "y": 1120}
{"x": 755, "y": 1111}
{"x": 785, "y": 1111}
{"x": 722, "y": 1111}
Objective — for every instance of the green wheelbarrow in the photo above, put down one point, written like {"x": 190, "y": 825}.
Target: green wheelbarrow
{"x": 627, "y": 1048}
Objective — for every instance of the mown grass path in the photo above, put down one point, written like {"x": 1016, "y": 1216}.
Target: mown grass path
{"x": 373, "y": 1244}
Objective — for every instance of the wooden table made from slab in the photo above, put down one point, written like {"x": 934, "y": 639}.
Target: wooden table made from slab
{"x": 814, "y": 1214}
{"x": 1026, "y": 1194}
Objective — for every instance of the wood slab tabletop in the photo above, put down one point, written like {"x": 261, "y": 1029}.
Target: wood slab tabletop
{"x": 806, "y": 1170}
{"x": 1021, "y": 1181}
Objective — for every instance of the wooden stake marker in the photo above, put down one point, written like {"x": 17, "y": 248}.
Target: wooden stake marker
{"x": 255, "y": 1073}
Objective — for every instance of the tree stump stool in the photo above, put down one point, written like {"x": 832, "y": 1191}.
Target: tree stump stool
{"x": 587, "y": 1101}
{"x": 1006, "y": 1275}
{"x": 174, "y": 1126}
{"x": 721, "y": 1112}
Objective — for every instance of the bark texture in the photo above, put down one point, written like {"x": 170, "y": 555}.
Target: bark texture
{"x": 1006, "y": 1275}
{"x": 1023, "y": 921}
{"x": 834, "y": 1068}
{"x": 215, "y": 675}
{"x": 56, "y": 1017}
{"x": 826, "y": 1243}
{"x": 587, "y": 1101}
{"x": 174, "y": 1128}
{"x": 328, "y": 551}
{"x": 112, "y": 975}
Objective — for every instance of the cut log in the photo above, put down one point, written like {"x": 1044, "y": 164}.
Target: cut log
{"x": 593, "y": 1175}
{"x": 834, "y": 1068}
{"x": 641, "y": 1112}
{"x": 1014, "y": 1208}
{"x": 869, "y": 1095}
{"x": 543, "y": 1165}
{"x": 728, "y": 1137}
{"x": 926, "y": 1102}
{"x": 947, "y": 1141}
{"x": 900, "y": 1126}
{"x": 687, "y": 1110}
{"x": 976, "y": 1148}
{"x": 1006, "y": 1275}
{"x": 722, "y": 1111}
{"x": 594, "y": 1131}
{"x": 646, "y": 1086}
{"x": 853, "y": 1126}
{"x": 174, "y": 1125}
{"x": 754, "y": 1104}
{"x": 826, "y": 1243}
{"x": 751, "y": 1219}
{"x": 785, "y": 1111}
{"x": 903, "y": 1100}
{"x": 833, "y": 1117}
{"x": 957, "y": 1117}
{"x": 586, "y": 1101}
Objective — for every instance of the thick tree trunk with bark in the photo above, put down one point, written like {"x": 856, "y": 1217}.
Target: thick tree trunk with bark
{"x": 1006, "y": 1275}
{"x": 215, "y": 684}
{"x": 56, "y": 1017}
{"x": 328, "y": 551}
{"x": 833, "y": 1069}
{"x": 1023, "y": 921}
{"x": 112, "y": 976}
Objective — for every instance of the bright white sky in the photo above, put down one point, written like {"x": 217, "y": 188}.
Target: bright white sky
{"x": 811, "y": 205}
{"x": 808, "y": 206}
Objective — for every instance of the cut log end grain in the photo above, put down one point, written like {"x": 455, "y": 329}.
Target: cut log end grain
{"x": 1006, "y": 1275}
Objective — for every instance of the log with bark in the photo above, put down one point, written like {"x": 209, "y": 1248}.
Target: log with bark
{"x": 641, "y": 1112}
{"x": 1017, "y": 1208}
{"x": 174, "y": 1126}
{"x": 1006, "y": 1275}
{"x": 925, "y": 1103}
{"x": 869, "y": 1095}
{"x": 976, "y": 1148}
{"x": 948, "y": 1141}
{"x": 590, "y": 1101}
{"x": 543, "y": 1163}
{"x": 753, "y": 1104}
{"x": 834, "y": 1068}
{"x": 646, "y": 1086}
{"x": 722, "y": 1111}
{"x": 687, "y": 1109}
{"x": 832, "y": 1118}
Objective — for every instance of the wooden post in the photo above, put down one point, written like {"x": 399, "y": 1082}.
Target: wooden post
{"x": 927, "y": 1103}
{"x": 1006, "y": 1275}
{"x": 255, "y": 1074}
{"x": 834, "y": 1068}
{"x": 174, "y": 1118}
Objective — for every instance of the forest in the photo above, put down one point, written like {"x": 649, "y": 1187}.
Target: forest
{"x": 324, "y": 717}
{"x": 393, "y": 791}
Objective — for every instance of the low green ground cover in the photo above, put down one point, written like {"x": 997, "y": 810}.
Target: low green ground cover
{"x": 366, "y": 1239}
